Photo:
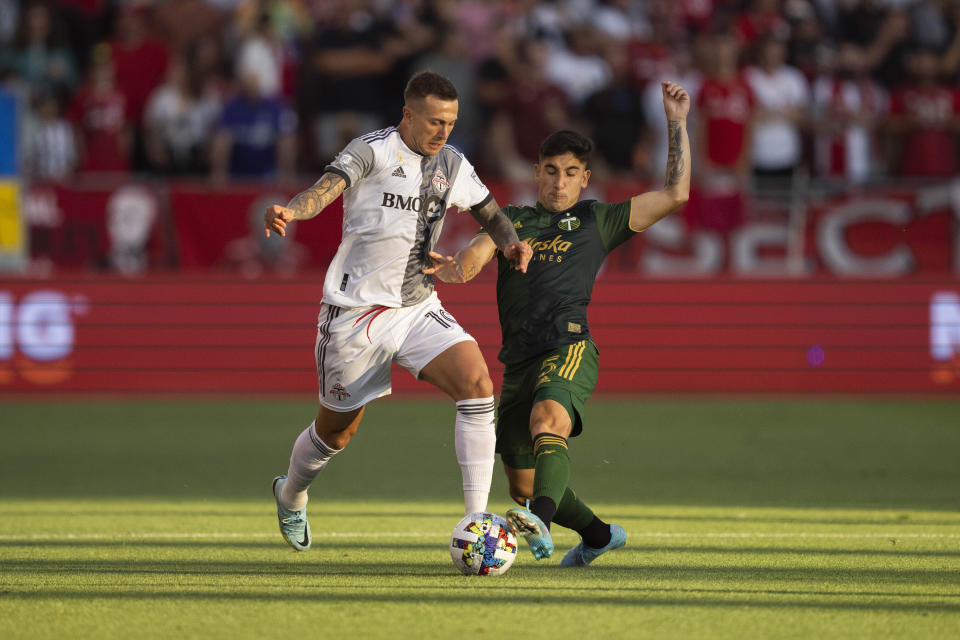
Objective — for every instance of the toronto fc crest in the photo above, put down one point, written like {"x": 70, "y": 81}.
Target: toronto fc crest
{"x": 339, "y": 391}
{"x": 440, "y": 181}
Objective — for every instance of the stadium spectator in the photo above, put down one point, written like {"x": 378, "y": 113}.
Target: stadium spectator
{"x": 450, "y": 58}
{"x": 99, "y": 116}
{"x": 725, "y": 111}
{"x": 179, "y": 122}
{"x": 650, "y": 57}
{"x": 881, "y": 32}
{"x": 40, "y": 55}
{"x": 533, "y": 109}
{"x": 578, "y": 68}
{"x": 621, "y": 20}
{"x": 179, "y": 23}
{"x": 50, "y": 148}
{"x": 9, "y": 17}
{"x": 761, "y": 20}
{"x": 925, "y": 120}
{"x": 848, "y": 107}
{"x": 140, "y": 60}
{"x": 255, "y": 139}
{"x": 782, "y": 106}
{"x": 261, "y": 54}
{"x": 347, "y": 70}
{"x": 616, "y": 118}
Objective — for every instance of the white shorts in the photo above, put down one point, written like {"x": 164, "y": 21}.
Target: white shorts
{"x": 355, "y": 348}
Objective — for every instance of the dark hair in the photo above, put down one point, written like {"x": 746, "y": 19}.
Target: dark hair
{"x": 561, "y": 142}
{"x": 428, "y": 83}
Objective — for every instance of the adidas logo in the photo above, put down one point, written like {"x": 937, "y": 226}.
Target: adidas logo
{"x": 398, "y": 173}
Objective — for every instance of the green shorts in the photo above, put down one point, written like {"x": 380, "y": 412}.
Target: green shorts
{"x": 567, "y": 374}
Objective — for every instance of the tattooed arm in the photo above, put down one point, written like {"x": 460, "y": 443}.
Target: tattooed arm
{"x": 468, "y": 262}
{"x": 501, "y": 231}
{"x": 647, "y": 208}
{"x": 305, "y": 205}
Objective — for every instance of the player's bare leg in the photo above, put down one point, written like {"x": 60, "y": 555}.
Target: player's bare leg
{"x": 325, "y": 437}
{"x": 461, "y": 373}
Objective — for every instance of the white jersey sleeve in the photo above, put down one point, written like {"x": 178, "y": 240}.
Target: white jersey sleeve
{"x": 354, "y": 163}
{"x": 468, "y": 190}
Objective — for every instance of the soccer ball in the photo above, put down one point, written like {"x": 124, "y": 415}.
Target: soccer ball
{"x": 482, "y": 545}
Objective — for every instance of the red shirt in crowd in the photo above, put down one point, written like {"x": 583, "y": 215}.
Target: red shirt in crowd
{"x": 140, "y": 68}
{"x": 100, "y": 117}
{"x": 929, "y": 148}
{"x": 533, "y": 109}
{"x": 724, "y": 107}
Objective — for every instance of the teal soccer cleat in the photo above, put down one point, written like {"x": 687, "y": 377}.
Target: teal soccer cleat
{"x": 524, "y": 523}
{"x": 293, "y": 524}
{"x": 582, "y": 555}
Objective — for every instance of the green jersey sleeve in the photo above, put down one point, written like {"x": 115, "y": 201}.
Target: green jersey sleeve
{"x": 613, "y": 222}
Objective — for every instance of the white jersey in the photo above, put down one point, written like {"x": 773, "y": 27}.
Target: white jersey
{"x": 393, "y": 210}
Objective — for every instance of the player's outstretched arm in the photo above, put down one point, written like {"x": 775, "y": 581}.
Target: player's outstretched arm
{"x": 304, "y": 205}
{"x": 466, "y": 264}
{"x": 647, "y": 208}
{"x": 501, "y": 231}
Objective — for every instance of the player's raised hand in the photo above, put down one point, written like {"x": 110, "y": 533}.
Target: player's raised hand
{"x": 276, "y": 219}
{"x": 444, "y": 267}
{"x": 676, "y": 101}
{"x": 521, "y": 252}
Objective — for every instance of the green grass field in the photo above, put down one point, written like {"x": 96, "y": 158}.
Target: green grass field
{"x": 745, "y": 519}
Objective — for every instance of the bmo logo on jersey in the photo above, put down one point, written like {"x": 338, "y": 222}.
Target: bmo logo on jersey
{"x": 434, "y": 204}
{"x": 37, "y": 336}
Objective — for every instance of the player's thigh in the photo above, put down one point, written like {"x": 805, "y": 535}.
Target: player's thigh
{"x": 436, "y": 349}
{"x": 567, "y": 377}
{"x": 513, "y": 415}
{"x": 353, "y": 358}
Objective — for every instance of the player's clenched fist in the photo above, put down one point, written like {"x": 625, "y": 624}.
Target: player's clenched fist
{"x": 676, "y": 101}
{"x": 276, "y": 219}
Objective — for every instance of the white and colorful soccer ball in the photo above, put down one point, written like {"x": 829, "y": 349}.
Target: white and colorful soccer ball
{"x": 482, "y": 545}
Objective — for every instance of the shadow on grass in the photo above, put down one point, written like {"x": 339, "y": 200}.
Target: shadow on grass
{"x": 330, "y": 566}
{"x": 502, "y": 594}
{"x": 334, "y": 545}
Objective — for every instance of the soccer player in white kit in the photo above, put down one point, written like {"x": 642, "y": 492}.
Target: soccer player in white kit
{"x": 379, "y": 307}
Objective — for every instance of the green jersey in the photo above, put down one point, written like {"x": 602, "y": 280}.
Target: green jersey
{"x": 546, "y": 307}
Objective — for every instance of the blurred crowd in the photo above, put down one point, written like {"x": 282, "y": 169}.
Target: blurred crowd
{"x": 851, "y": 90}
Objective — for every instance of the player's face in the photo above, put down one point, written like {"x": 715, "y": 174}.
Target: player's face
{"x": 429, "y": 122}
{"x": 560, "y": 180}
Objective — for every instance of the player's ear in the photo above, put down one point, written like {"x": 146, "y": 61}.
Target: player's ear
{"x": 586, "y": 177}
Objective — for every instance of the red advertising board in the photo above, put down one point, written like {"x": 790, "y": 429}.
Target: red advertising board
{"x": 875, "y": 233}
{"x": 161, "y": 334}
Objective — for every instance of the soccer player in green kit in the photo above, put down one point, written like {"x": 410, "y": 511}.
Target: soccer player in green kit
{"x": 551, "y": 360}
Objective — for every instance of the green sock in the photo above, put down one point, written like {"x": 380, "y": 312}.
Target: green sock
{"x": 551, "y": 474}
{"x": 572, "y": 513}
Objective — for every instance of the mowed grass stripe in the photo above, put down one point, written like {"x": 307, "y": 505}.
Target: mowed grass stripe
{"x": 437, "y": 534}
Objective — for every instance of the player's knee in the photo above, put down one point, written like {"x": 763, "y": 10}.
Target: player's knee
{"x": 476, "y": 383}
{"x": 335, "y": 430}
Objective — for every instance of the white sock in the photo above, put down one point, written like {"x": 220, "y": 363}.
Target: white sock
{"x": 310, "y": 455}
{"x": 475, "y": 440}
